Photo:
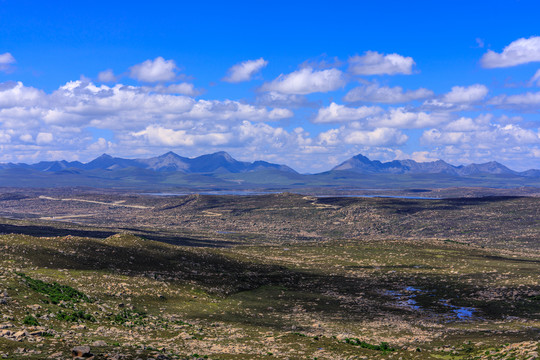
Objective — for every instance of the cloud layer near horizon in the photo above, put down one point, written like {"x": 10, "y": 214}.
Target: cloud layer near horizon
{"x": 295, "y": 118}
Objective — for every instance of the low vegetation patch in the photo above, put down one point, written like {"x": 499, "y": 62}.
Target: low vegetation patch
{"x": 54, "y": 291}
{"x": 30, "y": 320}
{"x": 74, "y": 316}
{"x": 135, "y": 317}
{"x": 384, "y": 346}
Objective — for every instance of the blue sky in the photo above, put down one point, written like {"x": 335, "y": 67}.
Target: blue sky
{"x": 308, "y": 84}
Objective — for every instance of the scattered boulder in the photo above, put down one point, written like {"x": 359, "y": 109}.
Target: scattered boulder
{"x": 81, "y": 352}
{"x": 20, "y": 334}
{"x": 99, "y": 343}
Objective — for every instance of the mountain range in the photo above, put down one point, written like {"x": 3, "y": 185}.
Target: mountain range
{"x": 210, "y": 163}
{"x": 363, "y": 165}
{"x": 220, "y": 171}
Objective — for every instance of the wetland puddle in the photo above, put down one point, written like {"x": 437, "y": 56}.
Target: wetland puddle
{"x": 407, "y": 299}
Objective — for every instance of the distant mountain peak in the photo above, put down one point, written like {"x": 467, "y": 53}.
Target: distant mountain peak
{"x": 224, "y": 155}
{"x": 361, "y": 157}
{"x": 362, "y": 164}
{"x": 169, "y": 154}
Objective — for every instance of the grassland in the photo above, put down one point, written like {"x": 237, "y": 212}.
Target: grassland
{"x": 271, "y": 277}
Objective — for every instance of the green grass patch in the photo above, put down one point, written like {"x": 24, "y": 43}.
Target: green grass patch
{"x": 384, "y": 346}
{"x": 75, "y": 316}
{"x": 136, "y": 317}
{"x": 54, "y": 291}
{"x": 30, "y": 320}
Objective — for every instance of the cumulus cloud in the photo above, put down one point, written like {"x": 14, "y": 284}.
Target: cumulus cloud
{"x": 44, "y": 138}
{"x": 276, "y": 99}
{"x": 245, "y": 134}
{"x": 15, "y": 94}
{"x": 458, "y": 98}
{"x": 106, "y": 76}
{"x": 5, "y": 136}
{"x": 521, "y": 102}
{"x": 403, "y": 119}
{"x": 341, "y": 113}
{"x": 181, "y": 88}
{"x": 233, "y": 110}
{"x": 385, "y": 94}
{"x": 100, "y": 145}
{"x": 6, "y": 60}
{"x": 157, "y": 135}
{"x": 481, "y": 133}
{"x": 374, "y": 63}
{"x": 26, "y": 138}
{"x": 245, "y": 70}
{"x": 157, "y": 70}
{"x": 33, "y": 119}
{"x": 468, "y": 94}
{"x": 376, "y": 137}
{"x": 306, "y": 81}
{"x": 520, "y": 51}
{"x": 465, "y": 124}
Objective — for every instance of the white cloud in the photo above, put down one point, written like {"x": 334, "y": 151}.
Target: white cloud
{"x": 181, "y": 88}
{"x": 465, "y": 124}
{"x": 6, "y": 60}
{"x": 535, "y": 78}
{"x": 157, "y": 135}
{"x": 329, "y": 138}
{"x": 404, "y": 119}
{"x": 341, "y": 113}
{"x": 344, "y": 136}
{"x": 5, "y": 136}
{"x": 26, "y": 138}
{"x": 459, "y": 98}
{"x": 374, "y": 63}
{"x": 156, "y": 70}
{"x": 306, "y": 81}
{"x": 469, "y": 94}
{"x": 124, "y": 110}
{"x": 15, "y": 94}
{"x": 44, "y": 138}
{"x": 245, "y": 70}
{"x": 385, "y": 94}
{"x": 233, "y": 110}
{"x": 106, "y": 76}
{"x": 275, "y": 99}
{"x": 485, "y": 136}
{"x": 423, "y": 156}
{"x": 100, "y": 145}
{"x": 377, "y": 137}
{"x": 247, "y": 135}
{"x": 520, "y": 51}
{"x": 520, "y": 102}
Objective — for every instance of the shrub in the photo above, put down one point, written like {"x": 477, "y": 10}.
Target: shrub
{"x": 74, "y": 316}
{"x": 357, "y": 342}
{"x": 134, "y": 316}
{"x": 30, "y": 320}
